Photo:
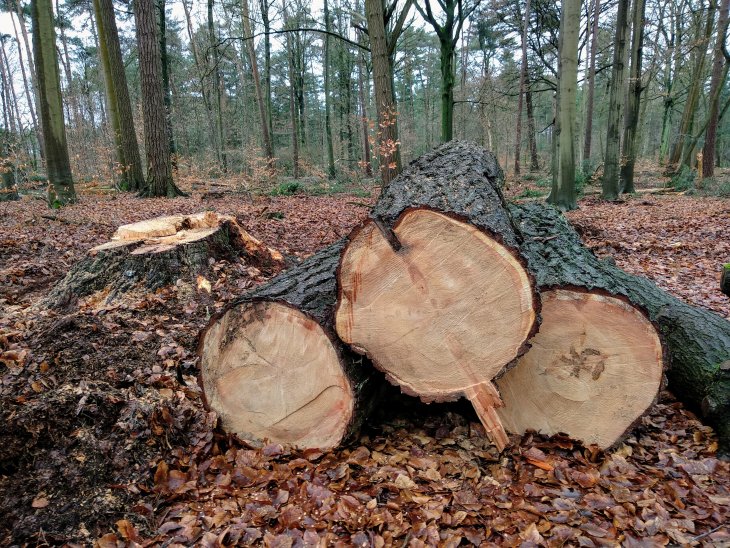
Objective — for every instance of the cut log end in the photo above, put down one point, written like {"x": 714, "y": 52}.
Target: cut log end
{"x": 592, "y": 371}
{"x": 272, "y": 373}
{"x": 444, "y": 312}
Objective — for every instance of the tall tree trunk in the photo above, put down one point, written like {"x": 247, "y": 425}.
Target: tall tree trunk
{"x": 157, "y": 145}
{"x": 610, "y": 181}
{"x": 119, "y": 104}
{"x": 364, "y": 116}
{"x": 388, "y": 146}
{"x": 66, "y": 62}
{"x": 29, "y": 97}
{"x": 292, "y": 96}
{"x": 201, "y": 79}
{"x": 327, "y": 105}
{"x": 164, "y": 59}
{"x": 523, "y": 80}
{"x": 264, "y": 7}
{"x": 716, "y": 83}
{"x": 248, "y": 37}
{"x": 534, "y": 160}
{"x": 33, "y": 74}
{"x": 563, "y": 194}
{"x": 631, "y": 119}
{"x": 61, "y": 187}
{"x": 217, "y": 85}
{"x": 447, "y": 89}
{"x": 9, "y": 90}
{"x": 680, "y": 150}
{"x": 591, "y": 81}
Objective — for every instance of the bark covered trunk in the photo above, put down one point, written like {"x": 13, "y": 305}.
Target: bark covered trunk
{"x": 319, "y": 405}
{"x": 697, "y": 341}
{"x": 425, "y": 282}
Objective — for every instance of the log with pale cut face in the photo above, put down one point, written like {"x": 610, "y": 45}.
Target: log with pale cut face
{"x": 273, "y": 374}
{"x": 442, "y": 314}
{"x": 593, "y": 369}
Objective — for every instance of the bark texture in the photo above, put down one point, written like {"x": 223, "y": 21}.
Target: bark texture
{"x": 61, "y": 187}
{"x": 120, "y": 107}
{"x": 157, "y": 144}
{"x": 697, "y": 340}
{"x": 311, "y": 287}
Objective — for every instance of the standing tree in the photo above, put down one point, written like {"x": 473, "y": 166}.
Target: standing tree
{"x": 448, "y": 32}
{"x": 523, "y": 81}
{"x": 631, "y": 118}
{"x": 120, "y": 107}
{"x": 327, "y": 106}
{"x": 217, "y": 86}
{"x": 610, "y": 182}
{"x": 157, "y": 146}
{"x": 562, "y": 194}
{"x": 165, "y": 60}
{"x": 61, "y": 187}
{"x": 591, "y": 77}
{"x": 719, "y": 74}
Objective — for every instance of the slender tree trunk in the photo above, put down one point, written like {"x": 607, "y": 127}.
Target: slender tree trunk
{"x": 563, "y": 194}
{"x": 164, "y": 59}
{"x": 610, "y": 181}
{"x": 364, "y": 115}
{"x": 157, "y": 144}
{"x": 680, "y": 150}
{"x": 248, "y": 37}
{"x": 534, "y": 160}
{"x": 33, "y": 74}
{"x": 264, "y": 7}
{"x": 631, "y": 119}
{"x": 61, "y": 187}
{"x": 327, "y": 105}
{"x": 523, "y": 80}
{"x": 388, "y": 145}
{"x": 716, "y": 83}
{"x": 591, "y": 81}
{"x": 292, "y": 95}
{"x": 447, "y": 89}
{"x": 66, "y": 62}
{"x": 217, "y": 85}
{"x": 119, "y": 104}
{"x": 11, "y": 102}
{"x": 29, "y": 97}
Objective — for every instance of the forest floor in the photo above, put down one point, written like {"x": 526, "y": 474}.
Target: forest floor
{"x": 101, "y": 442}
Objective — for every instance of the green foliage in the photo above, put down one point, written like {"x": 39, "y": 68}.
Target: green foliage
{"x": 684, "y": 179}
{"x": 278, "y": 215}
{"x": 715, "y": 186}
{"x": 545, "y": 182}
{"x": 287, "y": 188}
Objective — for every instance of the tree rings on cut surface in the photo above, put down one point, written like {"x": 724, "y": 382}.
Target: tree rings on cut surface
{"x": 272, "y": 373}
{"x": 442, "y": 314}
{"x": 592, "y": 370}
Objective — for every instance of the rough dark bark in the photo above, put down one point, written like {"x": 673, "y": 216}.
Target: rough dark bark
{"x": 123, "y": 265}
{"x": 311, "y": 287}
{"x": 697, "y": 340}
{"x": 725, "y": 280}
{"x": 8, "y": 188}
{"x": 457, "y": 177}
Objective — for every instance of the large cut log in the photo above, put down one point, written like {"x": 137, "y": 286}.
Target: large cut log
{"x": 272, "y": 368}
{"x": 157, "y": 252}
{"x": 433, "y": 288}
{"x": 696, "y": 341}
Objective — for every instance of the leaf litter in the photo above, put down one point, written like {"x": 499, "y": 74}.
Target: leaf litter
{"x": 103, "y": 443}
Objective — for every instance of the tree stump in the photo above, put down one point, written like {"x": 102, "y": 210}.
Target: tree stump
{"x": 432, "y": 288}
{"x": 725, "y": 279}
{"x": 8, "y": 186}
{"x": 273, "y": 370}
{"x": 157, "y": 252}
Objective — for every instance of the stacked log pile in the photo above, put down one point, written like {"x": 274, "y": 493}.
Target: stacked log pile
{"x": 442, "y": 289}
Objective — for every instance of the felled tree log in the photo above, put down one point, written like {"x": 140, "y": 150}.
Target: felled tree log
{"x": 697, "y": 341}
{"x": 157, "y": 252}
{"x": 433, "y": 288}
{"x": 272, "y": 368}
